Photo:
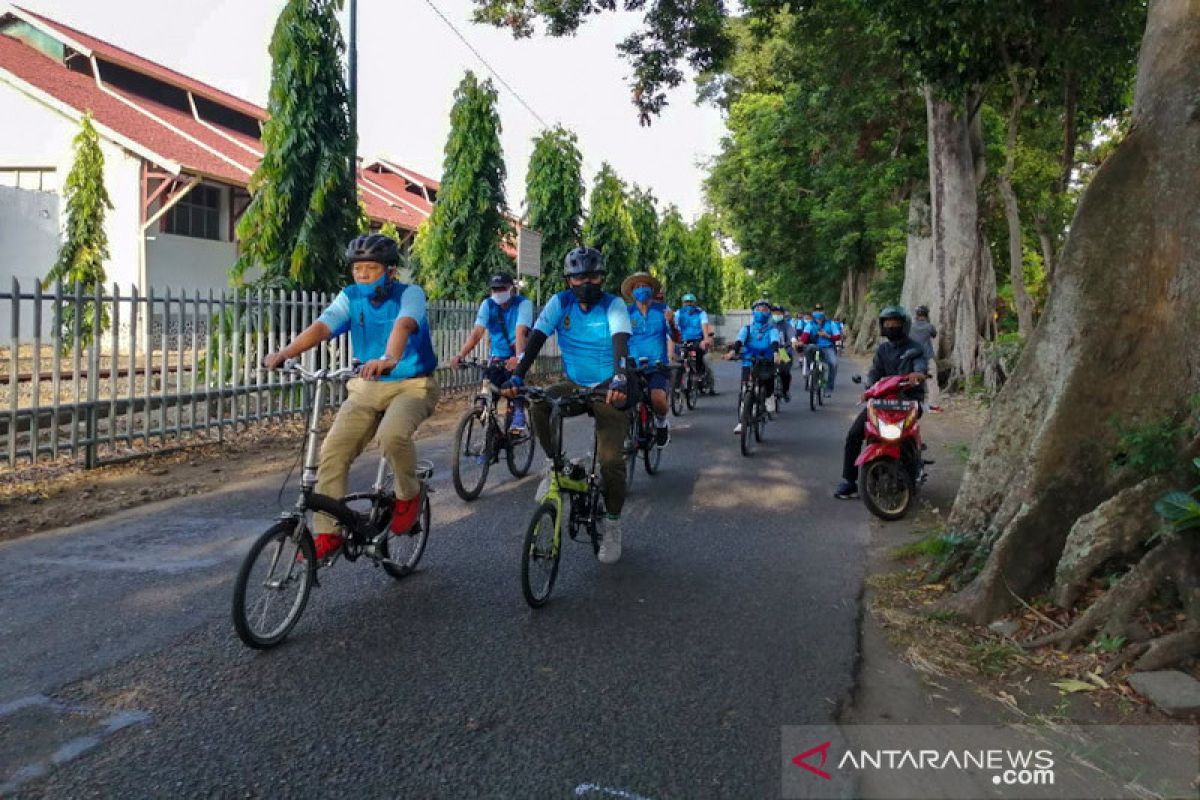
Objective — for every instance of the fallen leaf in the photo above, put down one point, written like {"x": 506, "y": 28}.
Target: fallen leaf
{"x": 1095, "y": 678}
{"x": 1069, "y": 686}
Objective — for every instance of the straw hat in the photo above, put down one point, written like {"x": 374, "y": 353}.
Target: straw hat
{"x": 639, "y": 277}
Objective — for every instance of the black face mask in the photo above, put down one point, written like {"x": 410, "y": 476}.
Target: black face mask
{"x": 893, "y": 334}
{"x": 588, "y": 293}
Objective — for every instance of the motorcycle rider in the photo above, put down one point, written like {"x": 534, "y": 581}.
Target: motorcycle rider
{"x": 894, "y": 326}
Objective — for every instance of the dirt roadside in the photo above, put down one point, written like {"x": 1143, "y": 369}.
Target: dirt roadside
{"x": 49, "y": 496}
{"x": 918, "y": 666}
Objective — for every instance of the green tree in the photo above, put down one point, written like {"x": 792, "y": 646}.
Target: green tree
{"x": 609, "y": 227}
{"x": 736, "y": 283}
{"x": 673, "y": 263}
{"x": 459, "y": 246}
{"x": 84, "y": 249}
{"x": 554, "y": 198}
{"x": 643, "y": 210}
{"x": 706, "y": 263}
{"x": 304, "y": 205}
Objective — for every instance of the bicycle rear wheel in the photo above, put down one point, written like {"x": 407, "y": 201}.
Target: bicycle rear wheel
{"x": 402, "y": 551}
{"x": 472, "y": 457}
{"x": 273, "y": 584}
{"x": 539, "y": 560}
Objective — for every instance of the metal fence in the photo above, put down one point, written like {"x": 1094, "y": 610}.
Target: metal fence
{"x": 166, "y": 368}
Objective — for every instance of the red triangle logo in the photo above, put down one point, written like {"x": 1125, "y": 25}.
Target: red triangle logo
{"x": 823, "y": 749}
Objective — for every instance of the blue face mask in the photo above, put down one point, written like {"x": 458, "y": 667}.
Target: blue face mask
{"x": 643, "y": 294}
{"x": 367, "y": 291}
{"x": 819, "y": 317}
{"x": 761, "y": 316}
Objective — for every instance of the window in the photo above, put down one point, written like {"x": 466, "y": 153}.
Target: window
{"x": 198, "y": 214}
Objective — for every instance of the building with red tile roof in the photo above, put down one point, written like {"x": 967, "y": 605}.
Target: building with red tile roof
{"x": 179, "y": 154}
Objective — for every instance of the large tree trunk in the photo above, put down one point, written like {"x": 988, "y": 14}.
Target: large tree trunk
{"x": 919, "y": 278}
{"x": 959, "y": 286}
{"x": 1016, "y": 238}
{"x": 1117, "y": 337}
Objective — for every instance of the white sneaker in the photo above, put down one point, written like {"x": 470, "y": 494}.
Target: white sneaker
{"x": 543, "y": 488}
{"x": 610, "y": 544}
{"x": 771, "y": 404}
{"x": 737, "y": 428}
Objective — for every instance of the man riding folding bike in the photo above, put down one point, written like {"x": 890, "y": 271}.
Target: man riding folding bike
{"x": 505, "y": 317}
{"x": 697, "y": 336}
{"x": 653, "y": 326}
{"x": 395, "y": 389}
{"x": 593, "y": 336}
{"x": 759, "y": 339}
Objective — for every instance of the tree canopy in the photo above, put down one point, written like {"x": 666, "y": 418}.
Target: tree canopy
{"x": 304, "y": 207}
{"x": 609, "y": 227}
{"x": 554, "y": 199}
{"x": 460, "y": 245}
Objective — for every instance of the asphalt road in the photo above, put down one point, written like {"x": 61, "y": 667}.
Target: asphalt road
{"x": 733, "y": 612}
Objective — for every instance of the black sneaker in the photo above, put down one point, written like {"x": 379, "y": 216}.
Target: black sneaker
{"x": 662, "y": 435}
{"x": 846, "y": 490}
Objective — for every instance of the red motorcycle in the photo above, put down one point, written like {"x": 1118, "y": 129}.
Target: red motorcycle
{"x": 891, "y": 465}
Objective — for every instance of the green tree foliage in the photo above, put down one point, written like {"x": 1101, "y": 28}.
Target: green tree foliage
{"x": 825, "y": 139}
{"x": 706, "y": 265}
{"x": 304, "y": 205}
{"x": 674, "y": 32}
{"x": 643, "y": 210}
{"x": 554, "y": 197}
{"x": 673, "y": 265}
{"x": 737, "y": 290}
{"x": 459, "y": 246}
{"x": 84, "y": 249}
{"x": 609, "y": 227}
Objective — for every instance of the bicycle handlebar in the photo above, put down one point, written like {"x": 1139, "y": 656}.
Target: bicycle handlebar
{"x": 294, "y": 367}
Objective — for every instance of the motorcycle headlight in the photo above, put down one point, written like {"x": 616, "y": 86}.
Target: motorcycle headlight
{"x": 890, "y": 431}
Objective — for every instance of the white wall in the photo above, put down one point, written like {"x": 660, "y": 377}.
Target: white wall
{"x": 28, "y": 244}
{"x": 184, "y": 262}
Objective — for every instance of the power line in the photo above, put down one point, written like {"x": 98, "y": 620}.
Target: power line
{"x": 484, "y": 61}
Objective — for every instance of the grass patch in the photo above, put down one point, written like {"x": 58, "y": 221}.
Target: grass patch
{"x": 962, "y": 450}
{"x": 994, "y": 658}
{"x": 935, "y": 544}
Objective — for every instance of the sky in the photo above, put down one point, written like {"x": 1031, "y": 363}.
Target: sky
{"x": 409, "y": 64}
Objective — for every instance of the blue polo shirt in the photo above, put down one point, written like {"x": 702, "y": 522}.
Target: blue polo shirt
{"x": 585, "y": 337}
{"x": 502, "y": 322}
{"x": 650, "y": 331}
{"x": 691, "y": 321}
{"x": 757, "y": 339}
{"x": 370, "y": 325}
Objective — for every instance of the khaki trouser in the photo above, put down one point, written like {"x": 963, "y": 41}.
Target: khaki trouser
{"x": 393, "y": 409}
{"x": 611, "y": 426}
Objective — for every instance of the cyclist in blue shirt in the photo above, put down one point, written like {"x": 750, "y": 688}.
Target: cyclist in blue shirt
{"x": 695, "y": 330}
{"x": 593, "y": 336}
{"x": 653, "y": 324}
{"x": 760, "y": 338}
{"x": 825, "y": 334}
{"x": 506, "y": 318}
{"x": 395, "y": 390}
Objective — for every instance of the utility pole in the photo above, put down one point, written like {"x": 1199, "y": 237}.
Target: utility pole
{"x": 353, "y": 58}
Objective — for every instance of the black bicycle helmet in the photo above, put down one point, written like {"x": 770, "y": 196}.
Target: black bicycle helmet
{"x": 895, "y": 312}
{"x": 500, "y": 280}
{"x": 374, "y": 247}
{"x": 583, "y": 261}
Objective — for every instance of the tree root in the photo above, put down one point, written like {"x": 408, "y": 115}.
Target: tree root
{"x": 1170, "y": 649}
{"x": 1114, "y": 609}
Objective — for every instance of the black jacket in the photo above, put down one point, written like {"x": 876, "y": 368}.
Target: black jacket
{"x": 889, "y": 361}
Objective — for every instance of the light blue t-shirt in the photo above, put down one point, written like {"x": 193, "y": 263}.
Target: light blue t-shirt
{"x": 827, "y": 325}
{"x": 691, "y": 321}
{"x": 502, "y": 323}
{"x": 649, "y": 338}
{"x": 585, "y": 337}
{"x": 370, "y": 326}
{"x": 757, "y": 339}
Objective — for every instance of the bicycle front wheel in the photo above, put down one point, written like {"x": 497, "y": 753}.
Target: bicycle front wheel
{"x": 677, "y": 391}
{"x": 520, "y": 453}
{"x": 472, "y": 457}
{"x": 691, "y": 391}
{"x": 539, "y": 560}
{"x": 652, "y": 457}
{"x": 631, "y": 452}
{"x": 748, "y": 425}
{"x": 402, "y": 551}
{"x": 814, "y": 388}
{"x": 821, "y": 384}
{"x": 273, "y": 584}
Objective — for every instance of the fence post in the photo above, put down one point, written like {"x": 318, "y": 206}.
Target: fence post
{"x": 14, "y": 363}
{"x": 93, "y": 384}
